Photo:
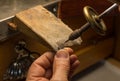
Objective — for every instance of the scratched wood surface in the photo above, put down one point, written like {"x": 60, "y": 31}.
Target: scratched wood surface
{"x": 43, "y": 26}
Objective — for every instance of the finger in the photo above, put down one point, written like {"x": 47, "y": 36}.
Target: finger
{"x": 69, "y": 50}
{"x": 75, "y": 64}
{"x": 73, "y": 58}
{"x": 45, "y": 60}
{"x": 40, "y": 65}
{"x": 37, "y": 79}
{"x": 48, "y": 73}
{"x": 61, "y": 66}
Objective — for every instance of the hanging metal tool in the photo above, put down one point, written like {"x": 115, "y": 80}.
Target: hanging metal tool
{"x": 94, "y": 20}
{"x": 19, "y": 66}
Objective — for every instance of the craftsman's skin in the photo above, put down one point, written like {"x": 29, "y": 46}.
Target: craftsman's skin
{"x": 54, "y": 68}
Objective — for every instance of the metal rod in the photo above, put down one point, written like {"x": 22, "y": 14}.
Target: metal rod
{"x": 115, "y": 5}
{"x": 78, "y": 32}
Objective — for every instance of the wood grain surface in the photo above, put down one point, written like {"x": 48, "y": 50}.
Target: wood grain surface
{"x": 43, "y": 26}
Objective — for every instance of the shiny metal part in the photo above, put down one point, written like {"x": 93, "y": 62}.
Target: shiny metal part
{"x": 8, "y": 8}
{"x": 19, "y": 47}
{"x": 19, "y": 66}
{"x": 94, "y": 21}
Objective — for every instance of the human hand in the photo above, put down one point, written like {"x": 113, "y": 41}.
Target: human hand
{"x": 53, "y": 68}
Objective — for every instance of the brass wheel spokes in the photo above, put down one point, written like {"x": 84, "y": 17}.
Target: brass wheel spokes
{"x": 93, "y": 18}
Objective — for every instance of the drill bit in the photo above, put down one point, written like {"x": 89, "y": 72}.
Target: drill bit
{"x": 78, "y": 32}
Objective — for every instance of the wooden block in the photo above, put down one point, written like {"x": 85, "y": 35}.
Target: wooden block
{"x": 43, "y": 26}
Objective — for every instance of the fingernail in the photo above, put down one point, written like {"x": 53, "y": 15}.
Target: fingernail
{"x": 62, "y": 54}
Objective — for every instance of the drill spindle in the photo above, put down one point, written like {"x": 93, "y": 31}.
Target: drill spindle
{"x": 78, "y": 32}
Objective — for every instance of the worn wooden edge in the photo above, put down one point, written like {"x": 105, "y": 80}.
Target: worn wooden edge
{"x": 30, "y": 33}
{"x": 94, "y": 53}
{"x": 53, "y": 34}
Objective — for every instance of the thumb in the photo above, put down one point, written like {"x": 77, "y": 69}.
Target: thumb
{"x": 61, "y": 66}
